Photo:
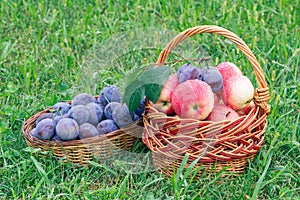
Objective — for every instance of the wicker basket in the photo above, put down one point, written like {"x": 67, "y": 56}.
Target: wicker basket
{"x": 216, "y": 144}
{"x": 82, "y": 151}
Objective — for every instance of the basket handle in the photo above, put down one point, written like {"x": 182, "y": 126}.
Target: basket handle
{"x": 261, "y": 96}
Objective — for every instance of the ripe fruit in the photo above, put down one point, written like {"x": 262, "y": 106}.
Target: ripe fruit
{"x": 121, "y": 116}
{"x": 56, "y": 138}
{"x": 87, "y": 130}
{"x": 96, "y": 113}
{"x": 79, "y": 113}
{"x": 109, "y": 108}
{"x": 163, "y": 103}
{"x": 140, "y": 110}
{"x": 221, "y": 113}
{"x": 109, "y": 94}
{"x": 83, "y": 99}
{"x": 67, "y": 129}
{"x": 134, "y": 116}
{"x": 99, "y": 103}
{"x": 228, "y": 69}
{"x": 218, "y": 100}
{"x": 238, "y": 92}
{"x": 107, "y": 126}
{"x": 193, "y": 99}
{"x": 247, "y": 109}
{"x": 61, "y": 108}
{"x": 57, "y": 118}
{"x": 45, "y": 116}
{"x": 45, "y": 129}
{"x": 188, "y": 72}
{"x": 213, "y": 78}
{"x": 32, "y": 132}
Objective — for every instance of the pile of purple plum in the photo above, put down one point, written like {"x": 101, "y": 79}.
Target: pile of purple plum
{"x": 86, "y": 116}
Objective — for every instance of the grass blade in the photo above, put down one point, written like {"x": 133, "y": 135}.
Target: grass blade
{"x": 38, "y": 166}
{"x": 94, "y": 164}
{"x": 261, "y": 178}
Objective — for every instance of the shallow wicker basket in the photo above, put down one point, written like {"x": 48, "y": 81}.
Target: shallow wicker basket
{"x": 82, "y": 151}
{"x": 216, "y": 144}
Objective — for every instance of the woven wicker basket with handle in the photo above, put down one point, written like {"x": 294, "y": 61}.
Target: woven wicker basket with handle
{"x": 216, "y": 144}
{"x": 82, "y": 151}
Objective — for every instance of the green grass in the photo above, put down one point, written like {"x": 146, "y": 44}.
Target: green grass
{"x": 44, "y": 45}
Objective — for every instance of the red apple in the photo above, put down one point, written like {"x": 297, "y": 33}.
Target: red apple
{"x": 193, "y": 99}
{"x": 228, "y": 69}
{"x": 221, "y": 113}
{"x": 238, "y": 92}
{"x": 247, "y": 109}
{"x": 163, "y": 103}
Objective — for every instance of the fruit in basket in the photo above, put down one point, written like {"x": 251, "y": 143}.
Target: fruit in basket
{"x": 45, "y": 129}
{"x": 228, "y": 69}
{"x": 107, "y": 126}
{"x": 79, "y": 113}
{"x": 217, "y": 100}
{"x": 247, "y": 109}
{"x": 163, "y": 103}
{"x": 32, "y": 132}
{"x": 96, "y": 113}
{"x": 188, "y": 72}
{"x": 83, "y": 99}
{"x": 56, "y": 138}
{"x": 109, "y": 94}
{"x": 45, "y": 116}
{"x": 87, "y": 130}
{"x": 193, "y": 99}
{"x": 213, "y": 78}
{"x": 100, "y": 103}
{"x": 67, "y": 129}
{"x": 121, "y": 116}
{"x": 61, "y": 108}
{"x": 57, "y": 118}
{"x": 134, "y": 116}
{"x": 221, "y": 113}
{"x": 238, "y": 92}
{"x": 140, "y": 110}
{"x": 108, "y": 110}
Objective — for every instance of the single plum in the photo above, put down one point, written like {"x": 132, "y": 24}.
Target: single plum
{"x": 134, "y": 116}
{"x": 213, "y": 78}
{"x": 33, "y": 132}
{"x": 83, "y": 99}
{"x": 67, "y": 129}
{"x": 188, "y": 72}
{"x": 109, "y": 94}
{"x": 79, "y": 113}
{"x": 45, "y": 129}
{"x": 109, "y": 108}
{"x": 96, "y": 113}
{"x": 61, "y": 108}
{"x": 45, "y": 116}
{"x": 87, "y": 130}
{"x": 107, "y": 126}
{"x": 121, "y": 116}
{"x": 140, "y": 110}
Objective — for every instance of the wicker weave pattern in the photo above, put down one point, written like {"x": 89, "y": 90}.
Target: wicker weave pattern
{"x": 226, "y": 143}
{"x": 82, "y": 151}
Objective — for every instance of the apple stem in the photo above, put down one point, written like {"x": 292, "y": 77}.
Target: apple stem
{"x": 227, "y": 114}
